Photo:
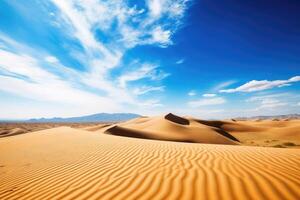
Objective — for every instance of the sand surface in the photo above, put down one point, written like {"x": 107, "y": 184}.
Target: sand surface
{"x": 68, "y": 163}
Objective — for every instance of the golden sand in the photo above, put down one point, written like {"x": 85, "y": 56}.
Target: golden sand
{"x": 68, "y": 163}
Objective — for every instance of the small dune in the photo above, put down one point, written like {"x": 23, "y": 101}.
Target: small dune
{"x": 16, "y": 128}
{"x": 13, "y": 131}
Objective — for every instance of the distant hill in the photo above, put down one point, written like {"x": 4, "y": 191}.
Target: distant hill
{"x": 100, "y": 117}
{"x": 289, "y": 116}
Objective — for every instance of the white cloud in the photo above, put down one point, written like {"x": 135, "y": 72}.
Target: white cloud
{"x": 146, "y": 70}
{"x": 180, "y": 61}
{"x": 255, "y": 85}
{"x": 25, "y": 75}
{"x": 192, "y": 93}
{"x": 22, "y": 65}
{"x": 147, "y": 89}
{"x": 173, "y": 8}
{"x": 298, "y": 103}
{"x": 134, "y": 27}
{"x": 163, "y": 37}
{"x": 51, "y": 59}
{"x": 102, "y": 57}
{"x": 207, "y": 102}
{"x": 36, "y": 74}
{"x": 294, "y": 79}
{"x": 223, "y": 85}
{"x": 22, "y": 75}
{"x": 81, "y": 23}
{"x": 155, "y": 7}
{"x": 209, "y": 95}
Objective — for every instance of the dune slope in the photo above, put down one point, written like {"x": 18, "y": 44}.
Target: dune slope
{"x": 261, "y": 132}
{"x": 66, "y": 163}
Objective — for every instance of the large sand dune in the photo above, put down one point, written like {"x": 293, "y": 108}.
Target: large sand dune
{"x": 173, "y": 128}
{"x": 67, "y": 163}
{"x": 284, "y": 133}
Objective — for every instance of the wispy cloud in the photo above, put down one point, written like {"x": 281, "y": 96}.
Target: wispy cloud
{"x": 180, "y": 61}
{"x": 146, "y": 89}
{"x": 159, "y": 8}
{"x": 269, "y": 96}
{"x": 209, "y": 95}
{"x": 270, "y": 101}
{"x": 207, "y": 102}
{"x": 223, "y": 85}
{"x": 192, "y": 93}
{"x": 255, "y": 85}
{"x": 163, "y": 37}
{"x": 37, "y": 74}
{"x": 151, "y": 25}
{"x": 23, "y": 75}
{"x": 146, "y": 70}
{"x": 51, "y": 59}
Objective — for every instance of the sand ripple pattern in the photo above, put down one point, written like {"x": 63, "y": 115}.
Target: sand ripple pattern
{"x": 65, "y": 163}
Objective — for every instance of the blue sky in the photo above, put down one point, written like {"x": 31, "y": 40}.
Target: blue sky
{"x": 206, "y": 58}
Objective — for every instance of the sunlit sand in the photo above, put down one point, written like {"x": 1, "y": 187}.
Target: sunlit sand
{"x": 91, "y": 163}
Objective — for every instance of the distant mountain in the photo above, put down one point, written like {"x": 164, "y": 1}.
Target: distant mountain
{"x": 100, "y": 117}
{"x": 289, "y": 116}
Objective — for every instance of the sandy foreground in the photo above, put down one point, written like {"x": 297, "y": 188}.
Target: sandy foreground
{"x": 72, "y": 163}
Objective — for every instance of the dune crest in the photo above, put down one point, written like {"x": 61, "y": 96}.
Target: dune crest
{"x": 176, "y": 119}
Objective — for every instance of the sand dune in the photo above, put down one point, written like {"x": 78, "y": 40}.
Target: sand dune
{"x": 172, "y": 128}
{"x": 264, "y": 132}
{"x": 280, "y": 133}
{"x": 67, "y": 163}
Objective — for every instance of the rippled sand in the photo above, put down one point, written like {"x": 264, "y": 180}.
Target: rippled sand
{"x": 68, "y": 163}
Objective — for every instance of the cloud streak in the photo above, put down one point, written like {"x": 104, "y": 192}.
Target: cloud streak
{"x": 23, "y": 75}
{"x": 146, "y": 89}
{"x": 192, "y": 93}
{"x": 146, "y": 70}
{"x": 209, "y": 95}
{"x": 178, "y": 62}
{"x": 255, "y": 85}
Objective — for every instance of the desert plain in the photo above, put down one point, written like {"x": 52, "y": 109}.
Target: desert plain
{"x": 163, "y": 157}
